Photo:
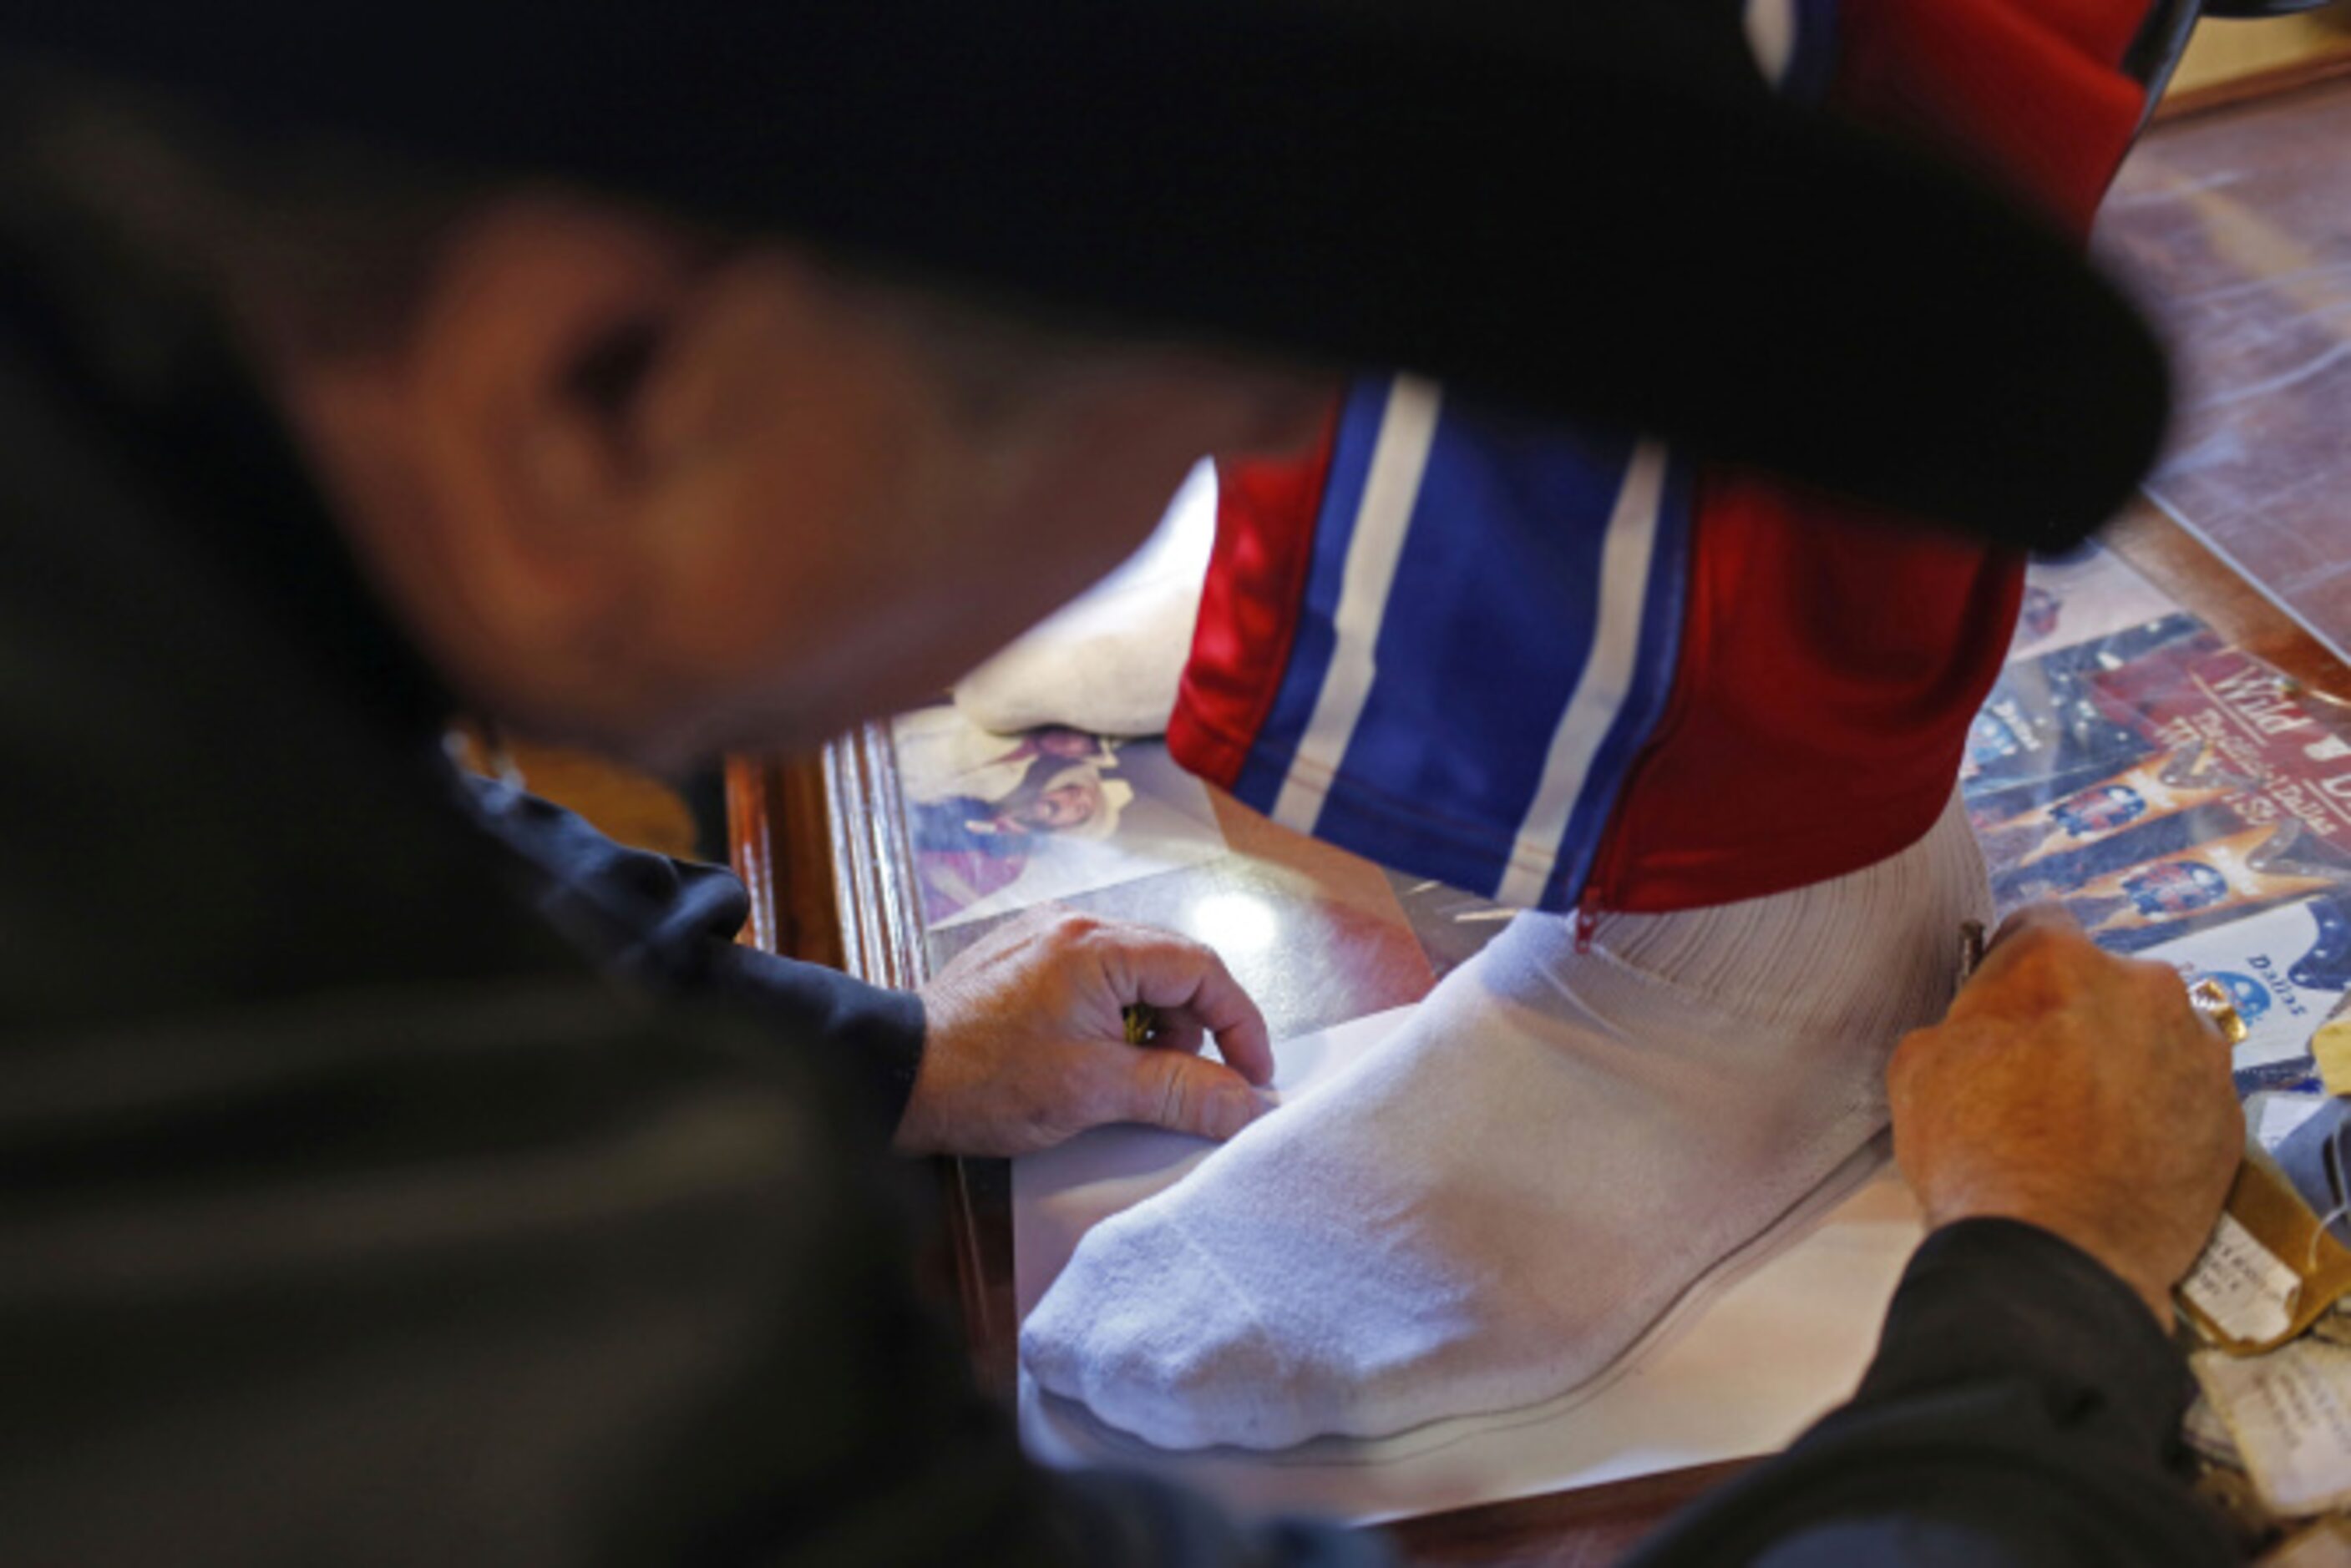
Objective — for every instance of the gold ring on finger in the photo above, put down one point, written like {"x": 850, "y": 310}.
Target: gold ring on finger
{"x": 2211, "y": 999}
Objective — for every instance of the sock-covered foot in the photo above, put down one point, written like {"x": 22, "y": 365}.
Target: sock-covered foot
{"x": 1495, "y": 1203}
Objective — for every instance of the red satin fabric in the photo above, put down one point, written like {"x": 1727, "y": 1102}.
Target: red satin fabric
{"x": 1830, "y": 665}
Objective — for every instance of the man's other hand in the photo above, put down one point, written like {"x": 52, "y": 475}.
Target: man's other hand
{"x": 2078, "y": 1092}
{"x": 1027, "y": 1040}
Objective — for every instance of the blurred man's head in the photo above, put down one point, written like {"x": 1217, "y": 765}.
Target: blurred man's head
{"x": 629, "y": 483}
{"x": 632, "y": 489}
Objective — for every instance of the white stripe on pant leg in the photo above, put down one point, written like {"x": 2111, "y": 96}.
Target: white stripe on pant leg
{"x": 1390, "y": 489}
{"x": 1607, "y": 675}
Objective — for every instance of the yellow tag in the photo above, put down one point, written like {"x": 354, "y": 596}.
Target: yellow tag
{"x": 2269, "y": 1270}
{"x": 2332, "y": 1046}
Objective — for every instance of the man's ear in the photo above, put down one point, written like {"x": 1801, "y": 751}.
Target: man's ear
{"x": 520, "y": 379}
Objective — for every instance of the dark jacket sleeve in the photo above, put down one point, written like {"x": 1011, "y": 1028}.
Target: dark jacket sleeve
{"x": 671, "y": 924}
{"x": 508, "y": 1272}
{"x": 2022, "y": 1409}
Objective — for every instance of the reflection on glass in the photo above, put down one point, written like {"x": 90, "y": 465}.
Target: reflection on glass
{"x": 1233, "y": 923}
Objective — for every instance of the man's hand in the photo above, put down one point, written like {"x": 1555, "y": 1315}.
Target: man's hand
{"x": 1026, "y": 1041}
{"x": 2078, "y": 1092}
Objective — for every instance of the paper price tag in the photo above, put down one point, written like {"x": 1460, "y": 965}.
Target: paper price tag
{"x": 2241, "y": 1287}
{"x": 2269, "y": 1271}
{"x": 2290, "y": 1412}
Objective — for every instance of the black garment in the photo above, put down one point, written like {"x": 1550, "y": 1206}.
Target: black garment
{"x": 114, "y": 342}
{"x": 670, "y": 924}
{"x": 2023, "y": 1409}
{"x": 364, "y": 1197}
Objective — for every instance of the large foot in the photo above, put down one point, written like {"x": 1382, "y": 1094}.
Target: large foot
{"x": 1494, "y": 1204}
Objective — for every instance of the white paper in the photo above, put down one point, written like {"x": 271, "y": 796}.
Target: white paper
{"x": 2290, "y": 1412}
{"x": 2243, "y": 1287}
{"x": 1743, "y": 1365}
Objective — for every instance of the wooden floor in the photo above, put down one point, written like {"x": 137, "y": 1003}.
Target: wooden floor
{"x": 2235, "y": 228}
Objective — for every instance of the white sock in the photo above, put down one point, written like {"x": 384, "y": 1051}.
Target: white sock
{"x": 1108, "y": 662}
{"x": 1496, "y": 1201}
